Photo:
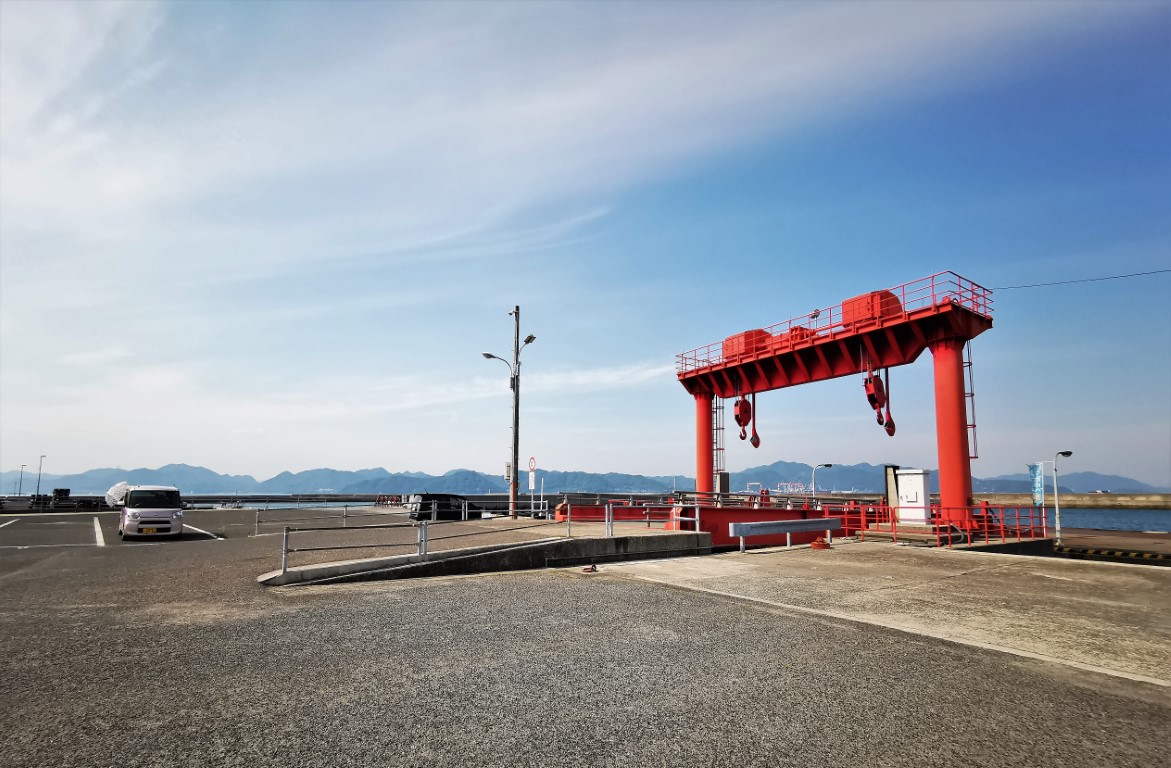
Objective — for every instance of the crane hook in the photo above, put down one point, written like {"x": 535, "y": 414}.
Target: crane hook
{"x": 755, "y": 437}
{"x": 742, "y": 412}
{"x": 875, "y": 394}
{"x": 890, "y": 423}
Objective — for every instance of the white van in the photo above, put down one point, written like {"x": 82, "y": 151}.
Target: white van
{"x": 147, "y": 510}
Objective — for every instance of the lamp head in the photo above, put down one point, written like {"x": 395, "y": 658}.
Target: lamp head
{"x": 488, "y": 355}
{"x": 530, "y": 339}
{"x": 1065, "y": 454}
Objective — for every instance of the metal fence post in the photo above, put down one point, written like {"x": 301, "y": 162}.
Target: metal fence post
{"x": 257, "y": 531}
{"x": 345, "y": 509}
{"x": 285, "y": 552}
{"x": 568, "y": 520}
{"x": 426, "y": 540}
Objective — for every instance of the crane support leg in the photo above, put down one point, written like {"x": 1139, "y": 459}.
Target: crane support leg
{"x": 704, "y": 459}
{"x": 951, "y": 425}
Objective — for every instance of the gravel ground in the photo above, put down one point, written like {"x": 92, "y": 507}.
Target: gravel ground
{"x": 173, "y": 656}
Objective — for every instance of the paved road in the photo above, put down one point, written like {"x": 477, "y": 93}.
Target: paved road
{"x": 170, "y": 654}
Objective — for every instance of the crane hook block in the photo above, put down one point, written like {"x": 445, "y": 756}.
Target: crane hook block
{"x": 742, "y": 412}
{"x": 875, "y": 395}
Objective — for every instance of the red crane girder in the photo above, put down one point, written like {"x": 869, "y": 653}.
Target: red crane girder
{"x": 877, "y": 330}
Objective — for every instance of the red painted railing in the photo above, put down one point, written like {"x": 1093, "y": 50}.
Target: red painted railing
{"x": 989, "y": 525}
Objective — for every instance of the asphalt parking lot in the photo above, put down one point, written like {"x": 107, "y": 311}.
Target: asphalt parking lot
{"x": 168, "y": 653}
{"x": 384, "y": 530}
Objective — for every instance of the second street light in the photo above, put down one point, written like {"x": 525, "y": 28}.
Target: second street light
{"x": 1056, "y": 496}
{"x": 20, "y": 482}
{"x": 40, "y": 466}
{"x": 813, "y": 480}
{"x": 514, "y": 384}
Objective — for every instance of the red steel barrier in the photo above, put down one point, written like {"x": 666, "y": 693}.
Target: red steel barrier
{"x": 715, "y": 519}
{"x": 622, "y": 513}
{"x": 989, "y": 524}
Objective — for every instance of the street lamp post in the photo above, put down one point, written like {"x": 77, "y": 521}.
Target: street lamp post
{"x": 20, "y": 482}
{"x": 1056, "y": 496}
{"x": 40, "y": 466}
{"x": 514, "y": 383}
{"x": 813, "y": 480}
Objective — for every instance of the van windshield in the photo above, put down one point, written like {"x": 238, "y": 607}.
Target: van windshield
{"x": 153, "y": 500}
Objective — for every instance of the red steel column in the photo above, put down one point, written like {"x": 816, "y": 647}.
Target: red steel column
{"x": 704, "y": 439}
{"x": 951, "y": 427}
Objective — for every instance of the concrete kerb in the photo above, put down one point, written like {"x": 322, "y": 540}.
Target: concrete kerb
{"x": 544, "y": 553}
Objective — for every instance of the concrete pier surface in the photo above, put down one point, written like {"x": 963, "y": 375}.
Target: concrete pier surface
{"x": 1102, "y": 617}
{"x": 170, "y": 654}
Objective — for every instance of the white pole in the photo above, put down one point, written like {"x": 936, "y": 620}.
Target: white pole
{"x": 1056, "y": 496}
{"x": 1056, "y": 505}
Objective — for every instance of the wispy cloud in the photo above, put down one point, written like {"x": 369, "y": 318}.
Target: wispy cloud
{"x": 437, "y": 129}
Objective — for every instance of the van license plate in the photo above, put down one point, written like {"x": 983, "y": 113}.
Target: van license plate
{"x": 148, "y": 530}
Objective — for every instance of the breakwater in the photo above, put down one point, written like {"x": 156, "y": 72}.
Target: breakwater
{"x": 1082, "y": 500}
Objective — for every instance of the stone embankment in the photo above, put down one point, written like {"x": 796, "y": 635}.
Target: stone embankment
{"x": 1083, "y": 500}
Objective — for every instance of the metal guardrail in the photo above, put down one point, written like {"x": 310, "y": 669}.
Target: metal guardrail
{"x": 423, "y": 538}
{"x": 425, "y": 535}
{"x": 345, "y": 516}
{"x": 787, "y": 527}
{"x": 531, "y": 508}
{"x": 685, "y": 519}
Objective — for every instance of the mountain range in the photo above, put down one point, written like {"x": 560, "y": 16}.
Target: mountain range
{"x": 856, "y": 477}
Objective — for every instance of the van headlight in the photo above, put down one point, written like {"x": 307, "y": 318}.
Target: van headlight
{"x": 132, "y": 515}
{"x": 176, "y": 514}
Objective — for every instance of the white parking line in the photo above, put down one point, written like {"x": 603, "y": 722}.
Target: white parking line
{"x": 42, "y": 546}
{"x": 199, "y": 530}
{"x": 101, "y": 540}
{"x": 10, "y": 522}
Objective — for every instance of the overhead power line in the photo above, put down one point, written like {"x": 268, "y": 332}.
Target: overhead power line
{"x": 1085, "y": 280}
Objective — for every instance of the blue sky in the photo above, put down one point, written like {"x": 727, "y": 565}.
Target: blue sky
{"x": 268, "y": 236}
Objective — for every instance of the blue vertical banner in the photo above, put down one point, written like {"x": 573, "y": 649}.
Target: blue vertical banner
{"x": 1037, "y": 475}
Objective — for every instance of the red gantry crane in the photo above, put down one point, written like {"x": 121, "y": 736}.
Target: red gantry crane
{"x": 863, "y": 335}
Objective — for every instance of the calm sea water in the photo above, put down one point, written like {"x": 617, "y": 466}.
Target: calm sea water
{"x": 1115, "y": 519}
